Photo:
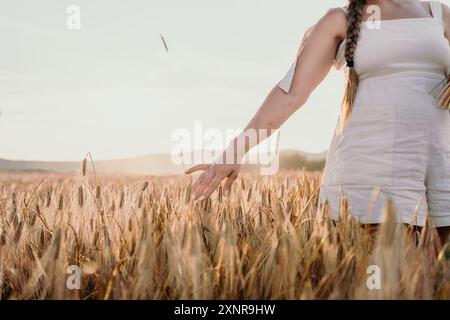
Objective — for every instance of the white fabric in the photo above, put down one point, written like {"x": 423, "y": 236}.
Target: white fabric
{"x": 285, "y": 83}
{"x": 436, "y": 10}
{"x": 396, "y": 143}
{"x": 371, "y": 57}
{"x": 378, "y": 39}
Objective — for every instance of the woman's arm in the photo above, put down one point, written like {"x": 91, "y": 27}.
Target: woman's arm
{"x": 314, "y": 60}
{"x": 447, "y": 21}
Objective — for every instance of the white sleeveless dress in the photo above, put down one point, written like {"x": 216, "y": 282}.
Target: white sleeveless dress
{"x": 396, "y": 144}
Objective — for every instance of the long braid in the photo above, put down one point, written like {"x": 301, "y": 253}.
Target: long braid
{"x": 354, "y": 12}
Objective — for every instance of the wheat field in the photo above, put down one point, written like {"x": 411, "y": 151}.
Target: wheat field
{"x": 138, "y": 237}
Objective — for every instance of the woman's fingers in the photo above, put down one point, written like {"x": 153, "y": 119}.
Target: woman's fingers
{"x": 197, "y": 168}
{"x": 199, "y": 183}
{"x": 229, "y": 182}
{"x": 198, "y": 191}
{"x": 199, "y": 180}
{"x": 214, "y": 183}
{"x": 205, "y": 185}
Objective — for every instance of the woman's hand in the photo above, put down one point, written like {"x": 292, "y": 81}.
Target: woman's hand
{"x": 211, "y": 178}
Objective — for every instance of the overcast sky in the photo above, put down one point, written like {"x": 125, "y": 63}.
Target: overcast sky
{"x": 112, "y": 89}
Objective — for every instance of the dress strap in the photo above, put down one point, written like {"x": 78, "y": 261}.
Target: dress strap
{"x": 436, "y": 10}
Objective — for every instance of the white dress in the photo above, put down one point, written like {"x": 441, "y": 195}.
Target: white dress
{"x": 396, "y": 144}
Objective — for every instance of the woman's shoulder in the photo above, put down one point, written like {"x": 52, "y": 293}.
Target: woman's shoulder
{"x": 446, "y": 20}
{"x": 336, "y": 16}
{"x": 338, "y": 10}
{"x": 335, "y": 20}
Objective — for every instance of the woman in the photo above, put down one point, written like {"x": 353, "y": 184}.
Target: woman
{"x": 392, "y": 140}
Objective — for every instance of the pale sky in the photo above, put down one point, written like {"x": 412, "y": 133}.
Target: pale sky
{"x": 111, "y": 89}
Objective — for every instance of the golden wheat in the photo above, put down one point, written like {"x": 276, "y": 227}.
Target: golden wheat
{"x": 264, "y": 241}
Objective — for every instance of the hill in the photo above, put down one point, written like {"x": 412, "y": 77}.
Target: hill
{"x": 155, "y": 164}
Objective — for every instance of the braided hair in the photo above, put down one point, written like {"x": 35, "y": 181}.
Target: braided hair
{"x": 354, "y": 12}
